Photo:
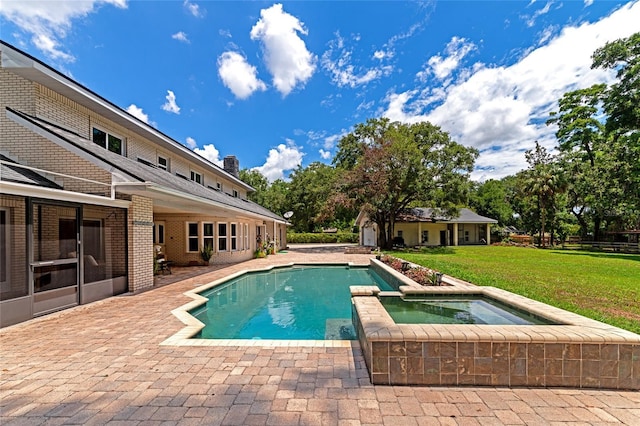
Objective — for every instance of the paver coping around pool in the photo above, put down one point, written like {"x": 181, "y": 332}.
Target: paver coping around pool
{"x": 193, "y": 325}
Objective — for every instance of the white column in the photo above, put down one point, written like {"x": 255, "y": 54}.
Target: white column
{"x": 488, "y": 233}
{"x": 455, "y": 234}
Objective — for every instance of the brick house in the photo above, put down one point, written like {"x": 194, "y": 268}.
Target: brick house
{"x": 89, "y": 195}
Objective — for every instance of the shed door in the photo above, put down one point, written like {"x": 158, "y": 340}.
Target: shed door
{"x": 369, "y": 236}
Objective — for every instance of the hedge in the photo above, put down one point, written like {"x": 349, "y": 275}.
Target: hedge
{"x": 307, "y": 237}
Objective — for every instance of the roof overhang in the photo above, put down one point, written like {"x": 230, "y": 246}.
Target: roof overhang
{"x": 166, "y": 200}
{"x": 32, "y": 69}
{"x": 11, "y": 188}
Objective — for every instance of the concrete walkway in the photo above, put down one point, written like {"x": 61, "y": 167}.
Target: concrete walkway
{"x": 102, "y": 364}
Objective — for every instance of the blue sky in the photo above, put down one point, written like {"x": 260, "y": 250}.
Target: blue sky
{"x": 278, "y": 84}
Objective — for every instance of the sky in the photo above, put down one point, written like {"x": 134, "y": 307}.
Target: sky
{"x": 278, "y": 84}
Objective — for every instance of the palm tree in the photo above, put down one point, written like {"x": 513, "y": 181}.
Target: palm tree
{"x": 544, "y": 181}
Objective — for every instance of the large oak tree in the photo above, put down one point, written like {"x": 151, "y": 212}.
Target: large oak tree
{"x": 387, "y": 166}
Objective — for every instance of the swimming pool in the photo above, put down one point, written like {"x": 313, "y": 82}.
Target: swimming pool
{"x": 302, "y": 302}
{"x": 457, "y": 309}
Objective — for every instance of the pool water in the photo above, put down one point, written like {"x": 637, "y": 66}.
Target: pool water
{"x": 456, "y": 310}
{"x": 292, "y": 303}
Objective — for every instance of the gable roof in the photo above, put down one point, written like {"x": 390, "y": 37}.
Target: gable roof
{"x": 30, "y": 68}
{"x": 138, "y": 177}
{"x": 434, "y": 215}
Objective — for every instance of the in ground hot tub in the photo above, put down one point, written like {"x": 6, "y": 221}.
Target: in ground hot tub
{"x": 457, "y": 309}
{"x": 565, "y": 350}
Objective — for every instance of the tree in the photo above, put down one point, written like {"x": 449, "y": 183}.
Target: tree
{"x": 309, "y": 190}
{"x": 543, "y": 180}
{"x": 271, "y": 196}
{"x": 622, "y": 100}
{"x": 602, "y": 151}
{"x": 386, "y": 166}
{"x": 621, "y": 103}
{"x": 260, "y": 183}
{"x": 490, "y": 199}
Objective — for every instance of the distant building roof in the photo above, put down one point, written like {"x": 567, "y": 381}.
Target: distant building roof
{"x": 436, "y": 215}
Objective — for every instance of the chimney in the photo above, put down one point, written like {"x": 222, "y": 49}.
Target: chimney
{"x": 231, "y": 165}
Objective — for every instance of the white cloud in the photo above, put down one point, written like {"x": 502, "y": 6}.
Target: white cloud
{"x": 531, "y": 20}
{"x": 191, "y": 143}
{"x": 181, "y": 36}
{"x": 337, "y": 60}
{"x": 325, "y": 154}
{"x": 238, "y": 75}
{"x": 285, "y": 53}
{"x": 137, "y": 112}
{"x": 170, "y": 105}
{"x": 442, "y": 67}
{"x": 210, "y": 153}
{"x": 330, "y": 141}
{"x": 281, "y": 159}
{"x": 48, "y": 22}
{"x": 501, "y": 110}
{"x": 193, "y": 9}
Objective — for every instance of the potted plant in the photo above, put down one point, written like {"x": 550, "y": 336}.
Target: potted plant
{"x": 206, "y": 253}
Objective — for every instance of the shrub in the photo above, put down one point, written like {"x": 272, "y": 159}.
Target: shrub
{"x": 421, "y": 275}
{"x": 308, "y": 237}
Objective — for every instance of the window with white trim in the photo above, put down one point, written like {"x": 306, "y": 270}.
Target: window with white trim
{"x": 246, "y": 237}
{"x": 235, "y": 193}
{"x": 222, "y": 236}
{"x": 234, "y": 237}
{"x": 207, "y": 235}
{"x": 108, "y": 141}
{"x": 197, "y": 177}
{"x": 163, "y": 163}
{"x": 193, "y": 237}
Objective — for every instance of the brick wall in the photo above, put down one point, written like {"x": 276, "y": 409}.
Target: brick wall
{"x": 140, "y": 243}
{"x": 175, "y": 247}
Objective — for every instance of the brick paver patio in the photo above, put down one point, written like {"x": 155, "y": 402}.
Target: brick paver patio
{"x": 103, "y": 364}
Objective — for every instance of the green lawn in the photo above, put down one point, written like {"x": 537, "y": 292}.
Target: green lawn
{"x": 602, "y": 286}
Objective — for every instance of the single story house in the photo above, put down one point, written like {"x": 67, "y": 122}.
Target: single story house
{"x": 426, "y": 227}
{"x": 90, "y": 195}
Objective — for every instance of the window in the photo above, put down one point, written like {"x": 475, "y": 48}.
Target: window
{"x": 192, "y": 237}
{"x": 222, "y": 237}
{"x": 235, "y": 193}
{"x": 163, "y": 163}
{"x": 219, "y": 186}
{"x": 246, "y": 236}
{"x": 425, "y": 236}
{"x": 207, "y": 235}
{"x": 108, "y": 141}
{"x": 400, "y": 234}
{"x": 196, "y": 177}
{"x": 234, "y": 237}
{"x": 158, "y": 233}
{"x": 466, "y": 236}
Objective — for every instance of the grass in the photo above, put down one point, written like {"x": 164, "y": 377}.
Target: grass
{"x": 602, "y": 286}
